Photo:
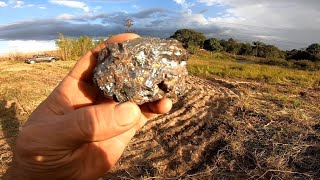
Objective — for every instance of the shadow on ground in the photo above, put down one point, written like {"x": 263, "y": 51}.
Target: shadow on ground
{"x": 9, "y": 124}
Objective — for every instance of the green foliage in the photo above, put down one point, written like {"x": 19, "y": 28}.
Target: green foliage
{"x": 74, "y": 48}
{"x": 189, "y": 37}
{"x": 246, "y": 49}
{"x": 218, "y": 64}
{"x": 275, "y": 62}
{"x": 314, "y": 51}
{"x": 231, "y": 46}
{"x": 298, "y": 55}
{"x": 193, "y": 49}
{"x": 306, "y": 65}
{"x": 212, "y": 45}
{"x": 267, "y": 51}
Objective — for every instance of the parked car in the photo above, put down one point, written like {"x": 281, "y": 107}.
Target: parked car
{"x": 41, "y": 58}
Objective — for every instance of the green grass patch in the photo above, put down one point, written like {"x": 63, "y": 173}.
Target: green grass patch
{"x": 224, "y": 65}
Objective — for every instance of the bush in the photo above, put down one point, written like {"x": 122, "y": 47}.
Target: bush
{"x": 193, "y": 49}
{"x": 306, "y": 65}
{"x": 275, "y": 62}
{"x": 212, "y": 45}
{"x": 189, "y": 37}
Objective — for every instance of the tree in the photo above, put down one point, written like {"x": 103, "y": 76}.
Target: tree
{"x": 84, "y": 44}
{"x": 246, "y": 49}
{"x": 274, "y": 52}
{"x": 64, "y": 45}
{"x": 314, "y": 51}
{"x": 72, "y": 48}
{"x": 129, "y": 24}
{"x": 258, "y": 46}
{"x": 298, "y": 55}
{"x": 231, "y": 46}
{"x": 212, "y": 44}
{"x": 189, "y": 37}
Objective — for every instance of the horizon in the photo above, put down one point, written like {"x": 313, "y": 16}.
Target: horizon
{"x": 243, "y": 20}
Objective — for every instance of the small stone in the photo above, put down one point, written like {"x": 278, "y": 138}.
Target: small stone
{"x": 142, "y": 70}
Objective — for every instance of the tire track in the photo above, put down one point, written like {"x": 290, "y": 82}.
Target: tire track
{"x": 183, "y": 140}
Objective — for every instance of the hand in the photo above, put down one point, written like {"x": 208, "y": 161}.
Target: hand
{"x": 76, "y": 133}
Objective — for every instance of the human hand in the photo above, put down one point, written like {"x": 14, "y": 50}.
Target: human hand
{"x": 76, "y": 133}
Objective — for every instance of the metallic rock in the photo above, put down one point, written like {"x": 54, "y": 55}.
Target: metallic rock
{"x": 142, "y": 70}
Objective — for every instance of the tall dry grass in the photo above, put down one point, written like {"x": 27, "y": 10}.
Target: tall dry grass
{"x": 20, "y": 56}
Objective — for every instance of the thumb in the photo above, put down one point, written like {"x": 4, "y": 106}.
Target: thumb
{"x": 87, "y": 124}
{"x": 104, "y": 121}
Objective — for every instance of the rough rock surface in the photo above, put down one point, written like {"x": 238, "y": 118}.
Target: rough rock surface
{"x": 142, "y": 70}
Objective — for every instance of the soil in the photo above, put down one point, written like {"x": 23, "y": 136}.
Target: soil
{"x": 210, "y": 133}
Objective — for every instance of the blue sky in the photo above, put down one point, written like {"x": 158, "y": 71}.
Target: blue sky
{"x": 32, "y": 25}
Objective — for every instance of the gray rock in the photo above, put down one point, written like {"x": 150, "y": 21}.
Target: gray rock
{"x": 142, "y": 70}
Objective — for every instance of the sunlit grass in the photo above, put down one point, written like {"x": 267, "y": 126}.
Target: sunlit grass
{"x": 224, "y": 65}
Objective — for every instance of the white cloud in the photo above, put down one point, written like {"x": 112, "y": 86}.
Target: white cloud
{"x": 3, "y": 4}
{"x": 19, "y": 4}
{"x": 137, "y": 7}
{"x": 72, "y": 4}
{"x": 187, "y": 17}
{"x": 180, "y": 1}
{"x": 211, "y": 2}
{"x": 65, "y": 17}
{"x": 286, "y": 23}
{"x": 42, "y": 7}
{"x": 22, "y": 4}
{"x": 30, "y": 46}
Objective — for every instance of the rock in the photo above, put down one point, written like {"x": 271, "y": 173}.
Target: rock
{"x": 142, "y": 70}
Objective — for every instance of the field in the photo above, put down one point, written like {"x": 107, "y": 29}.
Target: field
{"x": 238, "y": 120}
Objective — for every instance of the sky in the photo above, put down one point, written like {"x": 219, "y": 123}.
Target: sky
{"x": 33, "y": 25}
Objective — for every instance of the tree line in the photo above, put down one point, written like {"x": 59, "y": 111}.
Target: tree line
{"x": 73, "y": 48}
{"x": 193, "y": 41}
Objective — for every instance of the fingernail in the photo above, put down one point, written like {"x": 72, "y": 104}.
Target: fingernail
{"x": 128, "y": 113}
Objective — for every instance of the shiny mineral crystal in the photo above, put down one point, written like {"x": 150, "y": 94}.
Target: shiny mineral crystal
{"x": 142, "y": 70}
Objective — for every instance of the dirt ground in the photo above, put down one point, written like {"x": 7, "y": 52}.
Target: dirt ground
{"x": 220, "y": 129}
{"x": 211, "y": 134}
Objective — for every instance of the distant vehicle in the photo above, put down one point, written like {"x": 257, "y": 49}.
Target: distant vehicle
{"x": 42, "y": 58}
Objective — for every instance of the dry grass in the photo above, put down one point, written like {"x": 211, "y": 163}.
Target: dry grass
{"x": 18, "y": 56}
{"x": 22, "y": 88}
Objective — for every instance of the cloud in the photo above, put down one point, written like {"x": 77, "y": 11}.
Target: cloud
{"x": 72, "y": 4}
{"x": 3, "y": 4}
{"x": 23, "y": 4}
{"x": 148, "y": 22}
{"x": 180, "y": 1}
{"x": 30, "y": 46}
{"x": 19, "y": 4}
{"x": 65, "y": 17}
{"x": 42, "y": 7}
{"x": 285, "y": 23}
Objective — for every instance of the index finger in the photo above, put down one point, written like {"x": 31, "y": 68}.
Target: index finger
{"x": 82, "y": 71}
